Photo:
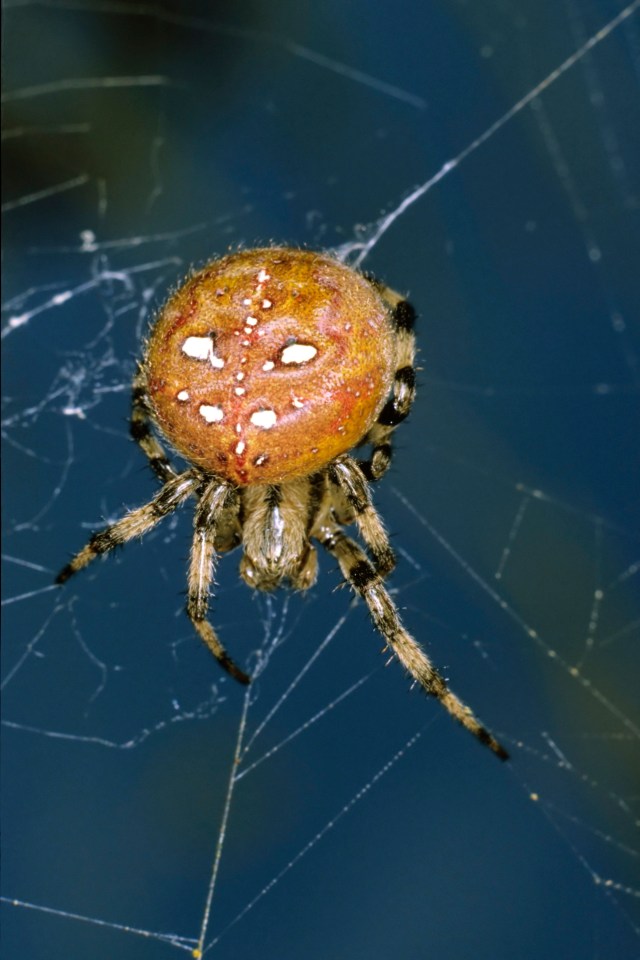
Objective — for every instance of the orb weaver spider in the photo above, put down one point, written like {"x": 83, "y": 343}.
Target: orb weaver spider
{"x": 263, "y": 370}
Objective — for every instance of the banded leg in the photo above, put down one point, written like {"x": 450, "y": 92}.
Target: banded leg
{"x": 399, "y": 404}
{"x": 348, "y": 477}
{"x": 134, "y": 524}
{"x": 367, "y": 583}
{"x": 216, "y": 499}
{"x": 140, "y": 429}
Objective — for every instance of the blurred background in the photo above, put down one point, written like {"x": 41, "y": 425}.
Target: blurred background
{"x": 142, "y": 139}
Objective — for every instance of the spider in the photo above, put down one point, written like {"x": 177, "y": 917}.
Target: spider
{"x": 263, "y": 370}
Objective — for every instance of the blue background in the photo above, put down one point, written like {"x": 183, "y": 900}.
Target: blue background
{"x": 224, "y": 124}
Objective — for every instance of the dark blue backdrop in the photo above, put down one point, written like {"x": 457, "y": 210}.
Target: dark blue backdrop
{"x": 144, "y": 138}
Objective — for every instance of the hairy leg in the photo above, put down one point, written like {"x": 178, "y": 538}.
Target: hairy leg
{"x": 140, "y": 429}
{"x": 134, "y": 524}
{"x": 349, "y": 479}
{"x": 216, "y": 499}
{"x": 399, "y": 404}
{"x": 366, "y": 582}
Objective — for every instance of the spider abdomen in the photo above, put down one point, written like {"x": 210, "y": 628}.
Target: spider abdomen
{"x": 267, "y": 364}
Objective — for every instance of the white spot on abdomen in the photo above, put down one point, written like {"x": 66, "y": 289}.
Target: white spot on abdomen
{"x": 201, "y": 348}
{"x": 197, "y": 347}
{"x": 264, "y": 418}
{"x": 212, "y": 414}
{"x": 183, "y": 395}
{"x": 298, "y": 353}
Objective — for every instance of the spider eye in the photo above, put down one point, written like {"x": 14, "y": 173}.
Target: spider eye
{"x": 280, "y": 359}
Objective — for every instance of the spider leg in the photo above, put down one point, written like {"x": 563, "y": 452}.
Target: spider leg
{"x": 134, "y": 524}
{"x": 140, "y": 429}
{"x": 364, "y": 580}
{"x": 399, "y": 404}
{"x": 216, "y": 498}
{"x": 347, "y": 476}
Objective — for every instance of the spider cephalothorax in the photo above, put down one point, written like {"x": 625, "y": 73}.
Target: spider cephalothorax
{"x": 263, "y": 370}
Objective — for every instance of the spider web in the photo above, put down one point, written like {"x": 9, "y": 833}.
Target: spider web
{"x": 484, "y": 158}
